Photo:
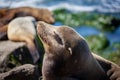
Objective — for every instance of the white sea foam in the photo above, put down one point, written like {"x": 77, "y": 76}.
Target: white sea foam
{"x": 72, "y": 7}
{"x": 110, "y": 6}
{"x": 33, "y": 3}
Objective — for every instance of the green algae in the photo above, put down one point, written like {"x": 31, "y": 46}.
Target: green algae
{"x": 103, "y": 22}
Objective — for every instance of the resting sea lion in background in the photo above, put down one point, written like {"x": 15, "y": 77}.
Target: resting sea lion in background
{"x": 23, "y": 29}
{"x": 112, "y": 70}
{"x": 3, "y": 11}
{"x": 38, "y": 13}
{"x": 114, "y": 73}
{"x": 67, "y": 56}
{"x": 6, "y": 15}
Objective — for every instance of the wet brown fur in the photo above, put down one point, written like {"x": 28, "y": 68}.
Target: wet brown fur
{"x": 67, "y": 56}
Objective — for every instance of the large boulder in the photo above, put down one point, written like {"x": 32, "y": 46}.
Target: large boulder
{"x": 17, "y": 50}
{"x": 24, "y": 72}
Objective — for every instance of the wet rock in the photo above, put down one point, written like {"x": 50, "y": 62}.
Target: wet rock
{"x": 17, "y": 49}
{"x": 113, "y": 53}
{"x": 24, "y": 72}
{"x": 97, "y": 42}
{"x": 6, "y": 48}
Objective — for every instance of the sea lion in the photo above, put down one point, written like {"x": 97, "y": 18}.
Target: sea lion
{"x": 114, "y": 72}
{"x": 67, "y": 55}
{"x": 6, "y": 15}
{"x": 112, "y": 69}
{"x": 23, "y": 29}
{"x": 41, "y": 14}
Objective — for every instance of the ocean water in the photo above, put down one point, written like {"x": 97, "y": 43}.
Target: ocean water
{"x": 114, "y": 36}
{"x": 106, "y": 6}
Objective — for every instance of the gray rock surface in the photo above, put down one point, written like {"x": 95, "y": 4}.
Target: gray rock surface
{"x": 24, "y": 72}
{"x": 6, "y": 48}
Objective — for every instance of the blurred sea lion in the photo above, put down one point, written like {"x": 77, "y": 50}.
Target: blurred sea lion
{"x": 23, "y": 29}
{"x": 6, "y": 15}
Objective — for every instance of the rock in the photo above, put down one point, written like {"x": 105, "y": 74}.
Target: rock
{"x": 24, "y": 72}
{"x": 9, "y": 47}
{"x": 6, "y": 48}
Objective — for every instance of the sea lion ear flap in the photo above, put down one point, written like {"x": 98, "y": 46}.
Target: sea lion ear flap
{"x": 70, "y": 50}
{"x": 68, "y": 47}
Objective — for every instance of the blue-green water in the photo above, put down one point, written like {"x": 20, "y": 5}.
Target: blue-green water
{"x": 113, "y": 37}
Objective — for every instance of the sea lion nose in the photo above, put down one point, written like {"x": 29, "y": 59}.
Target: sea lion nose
{"x": 52, "y": 20}
{"x": 40, "y": 23}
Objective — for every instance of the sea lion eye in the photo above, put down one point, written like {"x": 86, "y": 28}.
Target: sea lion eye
{"x": 58, "y": 39}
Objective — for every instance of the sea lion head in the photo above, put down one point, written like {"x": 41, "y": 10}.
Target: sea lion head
{"x": 57, "y": 39}
{"x": 46, "y": 15}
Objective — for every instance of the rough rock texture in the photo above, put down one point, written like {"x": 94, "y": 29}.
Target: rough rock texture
{"x": 7, "y": 47}
{"x": 18, "y": 49}
{"x": 24, "y": 72}
{"x": 14, "y": 62}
